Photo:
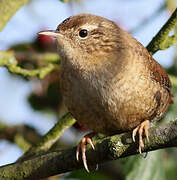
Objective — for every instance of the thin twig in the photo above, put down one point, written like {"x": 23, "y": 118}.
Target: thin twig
{"x": 51, "y": 137}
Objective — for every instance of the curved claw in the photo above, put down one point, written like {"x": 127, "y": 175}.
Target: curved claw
{"x": 85, "y": 140}
{"x": 143, "y": 127}
{"x": 77, "y": 152}
{"x": 89, "y": 141}
{"x": 84, "y": 159}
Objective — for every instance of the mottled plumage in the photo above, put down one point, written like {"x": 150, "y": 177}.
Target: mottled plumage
{"x": 109, "y": 81}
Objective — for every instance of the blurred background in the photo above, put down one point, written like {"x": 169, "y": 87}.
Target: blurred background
{"x": 29, "y": 107}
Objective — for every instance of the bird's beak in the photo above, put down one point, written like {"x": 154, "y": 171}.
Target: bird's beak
{"x": 53, "y": 33}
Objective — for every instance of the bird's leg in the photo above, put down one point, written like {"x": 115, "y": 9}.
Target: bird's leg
{"x": 87, "y": 139}
{"x": 143, "y": 127}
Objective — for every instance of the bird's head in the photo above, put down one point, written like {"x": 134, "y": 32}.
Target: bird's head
{"x": 86, "y": 36}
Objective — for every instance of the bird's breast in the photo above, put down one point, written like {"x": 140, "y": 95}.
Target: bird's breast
{"x": 107, "y": 102}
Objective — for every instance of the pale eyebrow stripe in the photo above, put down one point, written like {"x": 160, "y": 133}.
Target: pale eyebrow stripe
{"x": 89, "y": 26}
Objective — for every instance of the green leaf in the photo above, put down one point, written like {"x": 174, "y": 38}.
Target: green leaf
{"x": 149, "y": 168}
{"x": 84, "y": 175}
{"x": 64, "y": 0}
{"x": 8, "y": 8}
{"x": 170, "y": 163}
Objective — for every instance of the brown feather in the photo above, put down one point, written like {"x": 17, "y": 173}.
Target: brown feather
{"x": 160, "y": 76}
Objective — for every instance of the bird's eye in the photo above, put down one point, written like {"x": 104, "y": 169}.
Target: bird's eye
{"x": 83, "y": 33}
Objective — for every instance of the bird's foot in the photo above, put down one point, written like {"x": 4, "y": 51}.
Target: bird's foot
{"x": 87, "y": 139}
{"x": 143, "y": 127}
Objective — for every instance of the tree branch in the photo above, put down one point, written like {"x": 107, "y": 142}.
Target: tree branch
{"x": 106, "y": 149}
{"x": 51, "y": 137}
{"x": 22, "y": 135}
{"x": 7, "y": 9}
{"x": 162, "y": 41}
{"x": 8, "y": 60}
{"x": 49, "y": 57}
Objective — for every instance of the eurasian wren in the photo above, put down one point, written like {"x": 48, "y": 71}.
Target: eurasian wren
{"x": 109, "y": 81}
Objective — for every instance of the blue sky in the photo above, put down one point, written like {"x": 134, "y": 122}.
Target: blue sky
{"x": 39, "y": 15}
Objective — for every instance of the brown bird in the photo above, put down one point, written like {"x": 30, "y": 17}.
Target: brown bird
{"x": 109, "y": 81}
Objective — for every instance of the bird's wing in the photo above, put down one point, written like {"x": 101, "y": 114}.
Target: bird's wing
{"x": 156, "y": 71}
{"x": 159, "y": 75}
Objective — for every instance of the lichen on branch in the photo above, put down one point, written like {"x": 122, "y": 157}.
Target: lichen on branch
{"x": 162, "y": 40}
{"x": 106, "y": 149}
{"x": 8, "y": 60}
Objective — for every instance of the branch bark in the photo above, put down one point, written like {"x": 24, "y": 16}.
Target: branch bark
{"x": 106, "y": 149}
